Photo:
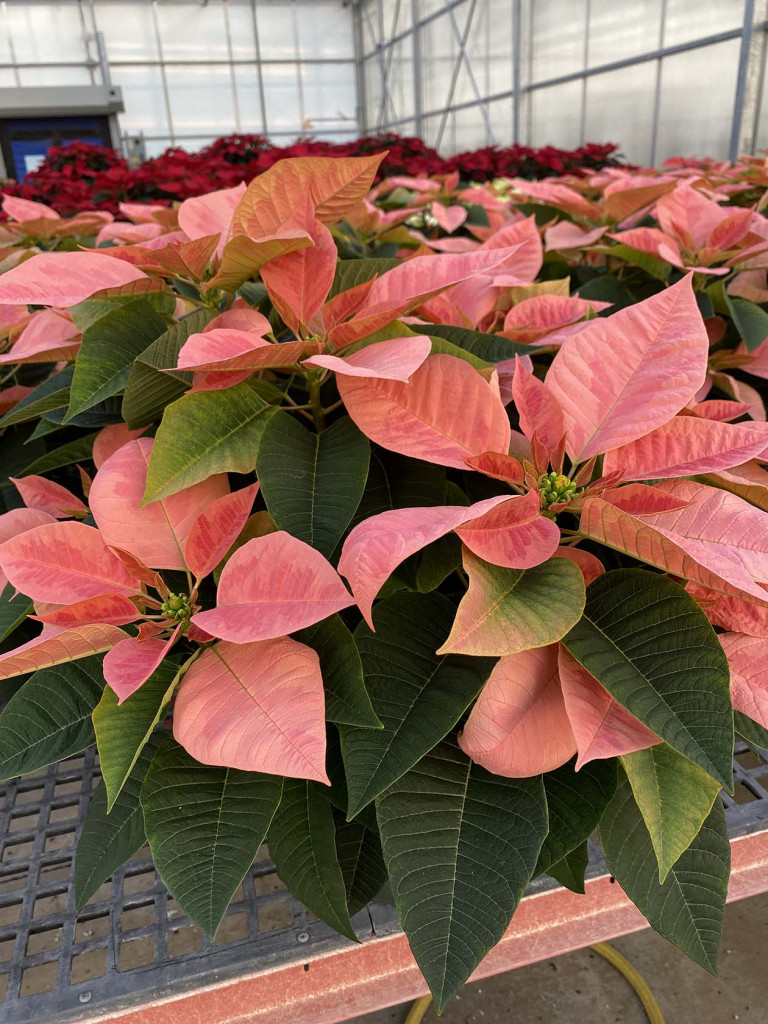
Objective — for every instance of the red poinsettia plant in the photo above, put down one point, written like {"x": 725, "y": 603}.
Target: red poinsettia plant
{"x": 473, "y": 535}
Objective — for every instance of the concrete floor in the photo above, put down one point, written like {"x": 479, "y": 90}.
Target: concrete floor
{"x": 581, "y": 988}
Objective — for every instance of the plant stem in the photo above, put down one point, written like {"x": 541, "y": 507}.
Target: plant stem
{"x": 318, "y": 413}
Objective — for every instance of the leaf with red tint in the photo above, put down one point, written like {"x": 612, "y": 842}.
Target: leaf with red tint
{"x": 335, "y": 185}
{"x": 519, "y": 726}
{"x": 226, "y": 349}
{"x": 258, "y": 707}
{"x": 539, "y": 413}
{"x": 601, "y": 726}
{"x": 449, "y": 218}
{"x": 48, "y": 496}
{"x": 137, "y": 569}
{"x": 375, "y": 547}
{"x": 560, "y": 196}
{"x": 299, "y": 282}
{"x": 64, "y": 278}
{"x": 716, "y": 540}
{"x": 621, "y": 199}
{"x": 533, "y": 319}
{"x": 131, "y": 662}
{"x": 498, "y": 466}
{"x": 244, "y": 257}
{"x": 643, "y": 499}
{"x": 736, "y": 614}
{"x": 115, "y": 609}
{"x": 55, "y": 646}
{"x": 523, "y": 236}
{"x": 24, "y": 209}
{"x": 566, "y": 235}
{"x": 687, "y": 446}
{"x": 721, "y": 409}
{"x": 49, "y": 336}
{"x": 415, "y": 419}
{"x": 110, "y": 438}
{"x": 606, "y": 378}
{"x": 216, "y": 529}
{"x": 272, "y": 586}
{"x": 393, "y": 359}
{"x": 19, "y": 520}
{"x": 591, "y": 566}
{"x": 406, "y": 286}
{"x": 513, "y": 534}
{"x": 156, "y": 533}
{"x": 62, "y": 563}
{"x": 748, "y": 660}
{"x": 210, "y": 214}
{"x": 689, "y": 216}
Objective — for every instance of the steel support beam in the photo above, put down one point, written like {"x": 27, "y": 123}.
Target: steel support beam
{"x": 359, "y": 979}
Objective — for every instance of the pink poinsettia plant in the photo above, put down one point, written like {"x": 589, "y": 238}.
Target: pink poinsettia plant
{"x": 472, "y": 528}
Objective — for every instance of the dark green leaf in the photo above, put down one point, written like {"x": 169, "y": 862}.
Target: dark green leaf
{"x": 312, "y": 483}
{"x": 89, "y": 312}
{"x": 346, "y": 699}
{"x": 570, "y": 870}
{"x": 418, "y": 695}
{"x": 750, "y": 731}
{"x": 302, "y": 843}
{"x": 350, "y": 273}
{"x": 204, "y": 825}
{"x": 749, "y": 319}
{"x": 607, "y": 288}
{"x": 110, "y": 838}
{"x": 53, "y": 393}
{"x": 491, "y": 348}
{"x": 204, "y": 433}
{"x": 50, "y": 717}
{"x": 122, "y": 730}
{"x": 688, "y": 907}
{"x": 652, "y": 265}
{"x": 361, "y": 862}
{"x": 576, "y": 801}
{"x": 675, "y": 797}
{"x": 395, "y": 481}
{"x": 100, "y": 415}
{"x": 14, "y": 610}
{"x": 75, "y": 451}
{"x": 650, "y": 645}
{"x": 149, "y": 389}
{"x": 460, "y": 847}
{"x": 109, "y": 348}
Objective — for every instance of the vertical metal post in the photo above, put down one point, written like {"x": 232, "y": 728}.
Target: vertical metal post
{"x": 418, "y": 84}
{"x": 517, "y": 54}
{"x": 232, "y": 76}
{"x": 87, "y": 39}
{"x": 299, "y": 74}
{"x": 11, "y": 47}
{"x": 257, "y": 46}
{"x": 529, "y": 92}
{"x": 163, "y": 78}
{"x": 657, "y": 87}
{"x": 585, "y": 79}
{"x": 455, "y": 76}
{"x": 741, "y": 79}
{"x": 359, "y": 45}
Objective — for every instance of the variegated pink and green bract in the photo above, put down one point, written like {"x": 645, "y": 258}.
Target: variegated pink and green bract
{"x": 421, "y": 529}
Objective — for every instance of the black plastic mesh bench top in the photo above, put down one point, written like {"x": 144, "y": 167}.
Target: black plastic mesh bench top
{"x": 131, "y": 942}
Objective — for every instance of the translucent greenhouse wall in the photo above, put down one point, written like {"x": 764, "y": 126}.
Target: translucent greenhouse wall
{"x": 193, "y": 71}
{"x": 658, "y": 77}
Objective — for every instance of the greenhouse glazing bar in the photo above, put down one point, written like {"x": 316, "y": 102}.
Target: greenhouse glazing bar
{"x": 754, "y": 24}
